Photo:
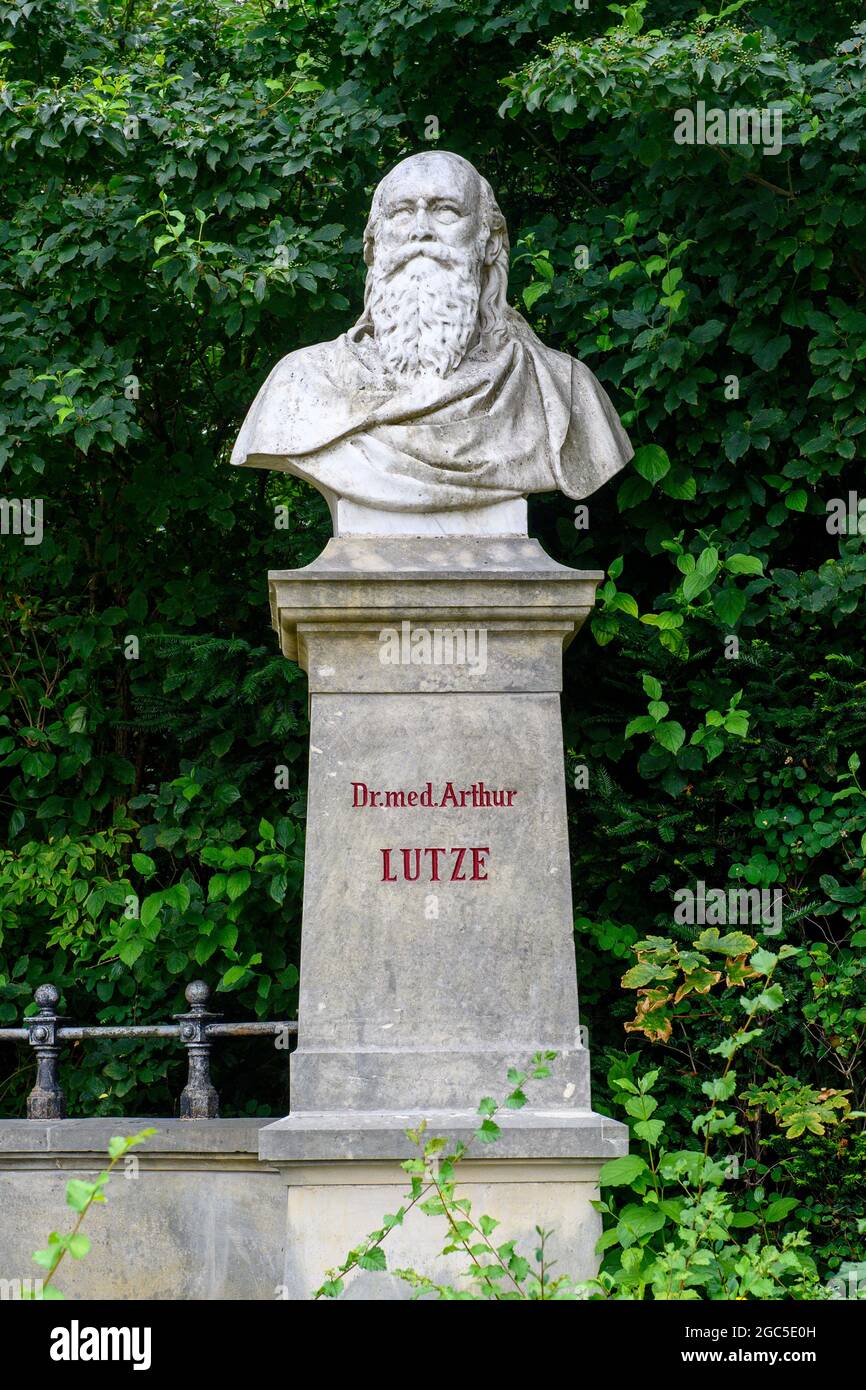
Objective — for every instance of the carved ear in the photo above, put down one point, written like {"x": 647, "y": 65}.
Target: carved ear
{"x": 493, "y": 248}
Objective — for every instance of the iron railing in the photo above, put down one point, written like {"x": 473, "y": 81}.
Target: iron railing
{"x": 47, "y": 1030}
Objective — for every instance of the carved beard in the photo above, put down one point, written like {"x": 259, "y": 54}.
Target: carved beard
{"x": 423, "y": 305}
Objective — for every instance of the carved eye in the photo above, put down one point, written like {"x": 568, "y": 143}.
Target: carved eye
{"x": 447, "y": 215}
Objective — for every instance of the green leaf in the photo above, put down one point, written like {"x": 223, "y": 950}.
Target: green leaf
{"x": 645, "y": 973}
{"x": 373, "y": 1259}
{"x": 744, "y": 564}
{"x": 650, "y": 1131}
{"x": 129, "y": 951}
{"x": 651, "y": 462}
{"x": 150, "y": 908}
{"x": 622, "y": 1172}
{"x": 644, "y": 724}
{"x": 237, "y": 884}
{"x": 534, "y": 292}
{"x": 763, "y": 961}
{"x": 708, "y": 560}
{"x": 216, "y": 887}
{"x": 45, "y": 1258}
{"x": 232, "y": 976}
{"x": 707, "y": 332}
{"x": 636, "y": 1221}
{"x": 177, "y": 896}
{"x": 768, "y": 1001}
{"x": 780, "y": 1208}
{"x": 737, "y": 724}
{"x": 729, "y": 604}
{"x": 696, "y": 583}
{"x": 641, "y": 1107}
{"x": 488, "y": 1132}
{"x": 80, "y": 1193}
{"x": 732, "y": 944}
{"x": 670, "y": 735}
{"x": 768, "y": 356}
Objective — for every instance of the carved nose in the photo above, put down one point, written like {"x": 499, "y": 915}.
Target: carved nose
{"x": 421, "y": 230}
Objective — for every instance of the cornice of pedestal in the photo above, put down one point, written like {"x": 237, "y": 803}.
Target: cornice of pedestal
{"x": 358, "y": 585}
{"x": 381, "y": 1135}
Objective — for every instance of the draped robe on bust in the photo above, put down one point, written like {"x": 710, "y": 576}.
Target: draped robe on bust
{"x": 513, "y": 420}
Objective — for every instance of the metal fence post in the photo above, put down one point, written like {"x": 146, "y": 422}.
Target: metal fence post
{"x": 46, "y": 1101}
{"x": 198, "y": 1099}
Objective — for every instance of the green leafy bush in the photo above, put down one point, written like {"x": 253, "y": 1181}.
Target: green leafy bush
{"x": 184, "y": 189}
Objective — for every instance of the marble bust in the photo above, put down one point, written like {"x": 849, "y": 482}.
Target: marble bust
{"x": 440, "y": 410}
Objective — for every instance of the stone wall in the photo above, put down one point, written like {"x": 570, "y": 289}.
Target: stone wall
{"x": 197, "y": 1216}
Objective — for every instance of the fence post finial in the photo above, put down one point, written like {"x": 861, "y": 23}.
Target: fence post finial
{"x": 198, "y": 1099}
{"x": 46, "y": 1101}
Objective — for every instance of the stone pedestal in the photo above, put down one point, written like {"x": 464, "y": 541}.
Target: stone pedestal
{"x": 437, "y": 946}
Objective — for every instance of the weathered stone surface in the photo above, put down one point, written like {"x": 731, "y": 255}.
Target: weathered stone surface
{"x": 531, "y": 1134}
{"x": 425, "y": 992}
{"x": 441, "y": 399}
{"x": 358, "y": 587}
{"x": 498, "y": 519}
{"x": 437, "y": 933}
{"x": 423, "y": 980}
{"x": 331, "y": 1206}
{"x": 200, "y": 1216}
{"x": 173, "y": 1136}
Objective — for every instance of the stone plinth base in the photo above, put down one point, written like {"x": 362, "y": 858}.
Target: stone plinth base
{"x": 343, "y": 1174}
{"x": 332, "y": 1205}
{"x": 438, "y": 927}
{"x": 499, "y": 519}
{"x": 437, "y": 940}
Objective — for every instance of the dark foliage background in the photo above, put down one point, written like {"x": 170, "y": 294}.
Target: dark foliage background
{"x": 184, "y": 186}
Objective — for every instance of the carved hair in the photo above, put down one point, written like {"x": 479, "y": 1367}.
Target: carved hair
{"x": 493, "y": 302}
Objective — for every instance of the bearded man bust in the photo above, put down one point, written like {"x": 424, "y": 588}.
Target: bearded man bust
{"x": 441, "y": 410}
